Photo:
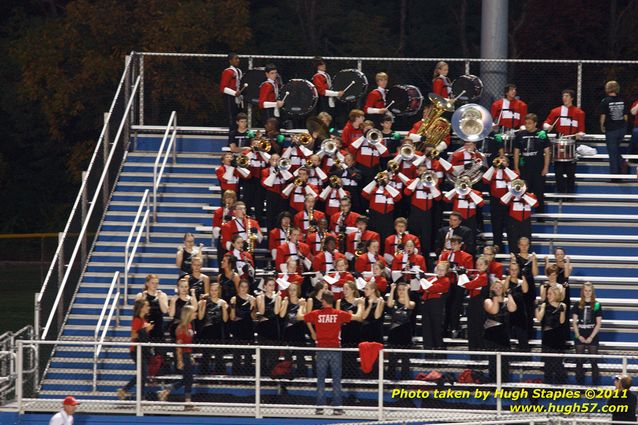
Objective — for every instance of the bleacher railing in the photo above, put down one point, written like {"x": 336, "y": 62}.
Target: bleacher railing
{"x": 111, "y": 302}
{"x": 258, "y": 385}
{"x": 162, "y": 156}
{"x": 141, "y": 226}
{"x": 8, "y": 360}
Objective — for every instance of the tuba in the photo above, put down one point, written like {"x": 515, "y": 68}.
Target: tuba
{"x": 374, "y": 136}
{"x": 429, "y": 179}
{"x": 463, "y": 185}
{"x": 407, "y": 152}
{"x": 434, "y": 127}
{"x": 284, "y": 164}
{"x": 329, "y": 147}
{"x": 472, "y": 122}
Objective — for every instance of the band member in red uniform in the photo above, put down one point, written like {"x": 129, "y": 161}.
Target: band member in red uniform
{"x": 280, "y": 234}
{"x": 229, "y": 87}
{"x": 494, "y": 268}
{"x": 396, "y": 242}
{"x": 441, "y": 84}
{"x": 297, "y": 153}
{"x": 415, "y": 137}
{"x": 531, "y": 158}
{"x": 454, "y": 304}
{"x": 323, "y": 83}
{"x": 228, "y": 174}
{"x": 268, "y": 93}
{"x": 566, "y": 120}
{"x": 274, "y": 179}
{"x": 397, "y": 180}
{"x": 465, "y": 158}
{"x": 338, "y": 278}
{"x": 251, "y": 192}
{"x": 353, "y": 128}
{"x": 433, "y": 311}
{"x": 289, "y": 277}
{"x": 295, "y": 249}
{"x": 316, "y": 176}
{"x": 509, "y": 112}
{"x": 465, "y": 202}
{"x": 519, "y": 223}
{"x": 407, "y": 258}
{"x": 478, "y": 290}
{"x": 351, "y": 180}
{"x": 423, "y": 192}
{"x": 315, "y": 238}
{"x": 375, "y": 106}
{"x": 367, "y": 155}
{"x": 325, "y": 260}
{"x": 357, "y": 240}
{"x": 333, "y": 162}
{"x": 345, "y": 221}
{"x": 220, "y": 216}
{"x": 297, "y": 190}
{"x": 332, "y": 196}
{"x": 369, "y": 258}
{"x": 307, "y": 219}
{"x": 382, "y": 198}
{"x": 244, "y": 262}
{"x": 497, "y": 177}
{"x": 240, "y": 225}
{"x": 408, "y": 162}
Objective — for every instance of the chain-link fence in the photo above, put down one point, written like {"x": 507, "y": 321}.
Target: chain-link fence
{"x": 189, "y": 83}
{"x": 293, "y": 381}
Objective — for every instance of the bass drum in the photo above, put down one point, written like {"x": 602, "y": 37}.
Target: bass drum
{"x": 468, "y": 88}
{"x": 254, "y": 78}
{"x": 301, "y": 97}
{"x": 352, "y": 82}
{"x": 406, "y": 100}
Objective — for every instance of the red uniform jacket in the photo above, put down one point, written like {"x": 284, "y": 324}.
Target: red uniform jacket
{"x": 350, "y": 134}
{"x": 350, "y": 220}
{"x": 296, "y": 155}
{"x": 276, "y": 237}
{"x": 233, "y": 182}
{"x": 337, "y": 287}
{"x": 475, "y": 285}
{"x": 364, "y": 237}
{"x": 294, "y": 279}
{"x": 332, "y": 197}
{"x": 440, "y": 286}
{"x": 375, "y": 99}
{"x": 321, "y": 83}
{"x": 402, "y": 261}
{"x": 267, "y": 93}
{"x": 442, "y": 86}
{"x": 572, "y": 120}
{"x": 465, "y": 204}
{"x": 498, "y": 179}
{"x": 422, "y": 197}
{"x": 390, "y": 243}
{"x": 302, "y": 219}
{"x": 462, "y": 258}
{"x": 230, "y": 79}
{"x": 382, "y": 199}
{"x": 235, "y": 227}
{"x": 257, "y": 161}
{"x": 313, "y": 239}
{"x": 297, "y": 194}
{"x": 521, "y": 207}
{"x": 462, "y": 157}
{"x": 513, "y": 112}
{"x": 495, "y": 270}
{"x": 284, "y": 251}
{"x": 322, "y": 265}
{"x": 365, "y": 261}
{"x": 218, "y": 217}
{"x": 367, "y": 154}
{"x": 275, "y": 185}
{"x": 382, "y": 283}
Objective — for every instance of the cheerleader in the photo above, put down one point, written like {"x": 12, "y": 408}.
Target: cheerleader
{"x": 517, "y": 286}
{"x": 551, "y": 315}
{"x": 184, "y": 254}
{"x": 158, "y": 303}
{"x": 369, "y": 258}
{"x": 400, "y": 333}
{"x": 228, "y": 279}
{"x": 293, "y": 330}
{"x": 498, "y": 308}
{"x": 433, "y": 310}
{"x": 242, "y": 314}
{"x": 178, "y": 301}
{"x": 565, "y": 269}
{"x": 586, "y": 320}
{"x": 213, "y": 315}
{"x": 372, "y": 326}
{"x": 351, "y": 331}
{"x": 197, "y": 280}
{"x": 528, "y": 264}
{"x": 268, "y": 308}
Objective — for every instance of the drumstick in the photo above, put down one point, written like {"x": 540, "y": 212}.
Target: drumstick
{"x": 389, "y": 104}
{"x": 349, "y": 85}
{"x": 455, "y": 98}
{"x": 285, "y": 96}
{"x": 242, "y": 89}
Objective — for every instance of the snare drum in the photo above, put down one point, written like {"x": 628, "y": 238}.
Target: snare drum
{"x": 471, "y": 85}
{"x": 254, "y": 78}
{"x": 406, "y": 100}
{"x": 564, "y": 150}
{"x": 301, "y": 98}
{"x": 352, "y": 82}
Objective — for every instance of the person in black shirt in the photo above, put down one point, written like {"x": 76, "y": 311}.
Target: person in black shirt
{"x": 213, "y": 315}
{"x": 455, "y": 228}
{"x": 623, "y": 398}
{"x": 551, "y": 315}
{"x": 239, "y": 138}
{"x": 587, "y": 315}
{"x": 391, "y": 138}
{"x": 351, "y": 181}
{"x": 613, "y": 122}
{"x": 531, "y": 158}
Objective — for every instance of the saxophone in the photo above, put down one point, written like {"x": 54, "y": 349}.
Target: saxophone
{"x": 252, "y": 239}
{"x": 341, "y": 232}
{"x": 287, "y": 233}
{"x": 398, "y": 244}
{"x": 312, "y": 224}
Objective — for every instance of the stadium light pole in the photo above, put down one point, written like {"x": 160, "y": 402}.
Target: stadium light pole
{"x": 494, "y": 15}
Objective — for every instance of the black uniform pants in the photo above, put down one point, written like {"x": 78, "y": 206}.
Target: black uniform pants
{"x": 232, "y": 109}
{"x": 454, "y": 307}
{"x": 498, "y": 216}
{"x": 475, "y": 321}
{"x": 381, "y": 223}
{"x": 275, "y": 204}
{"x": 254, "y": 196}
{"x": 565, "y": 176}
{"x": 432, "y": 315}
{"x": 420, "y": 225}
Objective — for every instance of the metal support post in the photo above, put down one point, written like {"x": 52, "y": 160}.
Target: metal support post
{"x": 85, "y": 206}
{"x": 175, "y": 141}
{"x": 499, "y": 368}
{"x": 36, "y": 336}
{"x": 61, "y": 267}
{"x": 467, "y": 67}
{"x": 380, "y": 389}
{"x": 138, "y": 384}
{"x": 141, "y": 100}
{"x": 258, "y": 382}
{"x": 148, "y": 220}
{"x": 624, "y": 365}
{"x": 579, "y": 84}
{"x": 249, "y": 107}
{"x": 105, "y": 153}
{"x": 20, "y": 377}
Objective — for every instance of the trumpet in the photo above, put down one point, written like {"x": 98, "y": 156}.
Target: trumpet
{"x": 429, "y": 179}
{"x": 399, "y": 244}
{"x": 298, "y": 182}
{"x": 433, "y": 154}
{"x": 374, "y": 136}
{"x": 500, "y": 162}
{"x": 463, "y": 185}
{"x": 393, "y": 166}
{"x": 284, "y": 164}
{"x": 302, "y": 139}
{"x": 407, "y": 152}
{"x": 243, "y": 161}
{"x": 335, "y": 181}
{"x": 329, "y": 147}
{"x": 263, "y": 145}
{"x": 382, "y": 178}
{"x": 309, "y": 163}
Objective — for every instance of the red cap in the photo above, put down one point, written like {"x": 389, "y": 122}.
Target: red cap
{"x": 70, "y": 401}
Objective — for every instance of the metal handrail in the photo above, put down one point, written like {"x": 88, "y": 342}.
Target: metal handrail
{"x": 97, "y": 193}
{"x": 143, "y": 211}
{"x": 114, "y": 303}
{"x": 157, "y": 176}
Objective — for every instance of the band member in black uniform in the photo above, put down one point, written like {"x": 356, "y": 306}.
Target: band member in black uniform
{"x": 399, "y": 308}
{"x": 351, "y": 331}
{"x": 184, "y": 254}
{"x": 268, "y": 306}
{"x": 391, "y": 138}
{"x": 351, "y": 181}
{"x": 197, "y": 280}
{"x": 242, "y": 314}
{"x": 531, "y": 158}
{"x": 498, "y": 308}
{"x": 230, "y": 88}
{"x": 178, "y": 301}
{"x": 213, "y": 315}
{"x": 239, "y": 137}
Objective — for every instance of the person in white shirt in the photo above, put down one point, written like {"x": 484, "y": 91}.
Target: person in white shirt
{"x": 65, "y": 416}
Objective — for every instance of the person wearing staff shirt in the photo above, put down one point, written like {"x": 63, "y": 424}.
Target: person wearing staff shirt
{"x": 229, "y": 87}
{"x": 323, "y": 83}
{"x": 566, "y": 120}
{"x": 509, "y": 111}
{"x": 268, "y": 94}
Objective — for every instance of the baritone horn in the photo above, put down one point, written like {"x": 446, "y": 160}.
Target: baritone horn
{"x": 298, "y": 181}
{"x": 335, "y": 181}
{"x": 463, "y": 185}
{"x": 242, "y": 161}
{"x": 518, "y": 187}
